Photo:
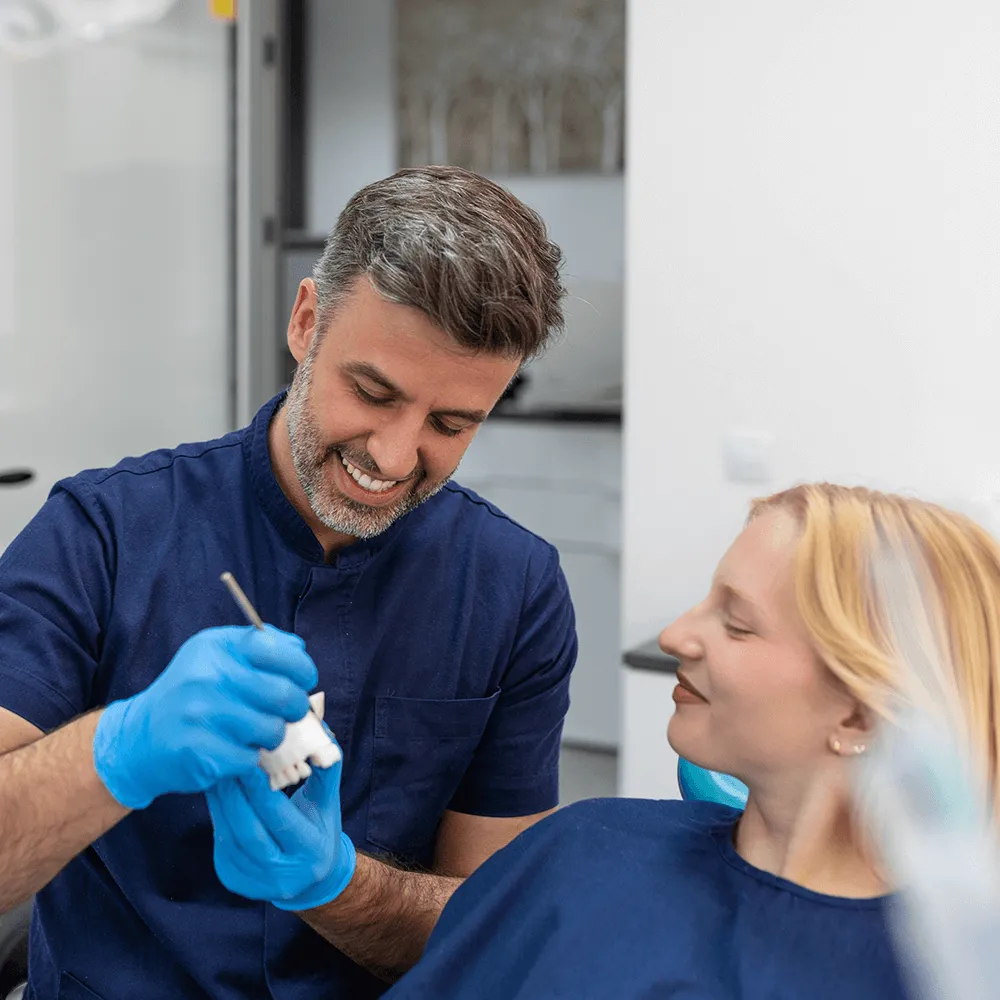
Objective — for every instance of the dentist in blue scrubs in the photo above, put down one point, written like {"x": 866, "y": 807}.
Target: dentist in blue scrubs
{"x": 135, "y": 700}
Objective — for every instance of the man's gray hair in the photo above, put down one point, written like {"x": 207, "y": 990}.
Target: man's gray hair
{"x": 465, "y": 251}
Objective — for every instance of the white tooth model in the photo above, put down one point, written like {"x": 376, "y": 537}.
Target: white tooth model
{"x": 305, "y": 740}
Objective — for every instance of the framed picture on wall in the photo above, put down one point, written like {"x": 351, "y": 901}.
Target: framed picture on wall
{"x": 518, "y": 87}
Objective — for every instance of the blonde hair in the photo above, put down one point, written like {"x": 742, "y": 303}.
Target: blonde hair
{"x": 842, "y": 528}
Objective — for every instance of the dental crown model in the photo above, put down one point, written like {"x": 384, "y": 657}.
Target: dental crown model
{"x": 305, "y": 740}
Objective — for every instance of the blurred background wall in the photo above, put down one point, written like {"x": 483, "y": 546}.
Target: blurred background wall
{"x": 114, "y": 250}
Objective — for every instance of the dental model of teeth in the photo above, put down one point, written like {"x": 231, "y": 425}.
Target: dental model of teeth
{"x": 366, "y": 482}
{"x": 305, "y": 740}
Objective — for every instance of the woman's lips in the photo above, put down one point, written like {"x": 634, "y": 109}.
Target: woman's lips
{"x": 685, "y": 691}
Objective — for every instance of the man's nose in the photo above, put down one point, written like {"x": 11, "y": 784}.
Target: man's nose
{"x": 395, "y": 447}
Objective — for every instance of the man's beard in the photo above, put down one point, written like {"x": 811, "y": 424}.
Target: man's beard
{"x": 311, "y": 456}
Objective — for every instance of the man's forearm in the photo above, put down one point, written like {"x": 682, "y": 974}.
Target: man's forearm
{"x": 52, "y": 806}
{"x": 382, "y": 920}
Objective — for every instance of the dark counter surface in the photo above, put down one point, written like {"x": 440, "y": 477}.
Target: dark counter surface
{"x": 559, "y": 416}
{"x": 649, "y": 656}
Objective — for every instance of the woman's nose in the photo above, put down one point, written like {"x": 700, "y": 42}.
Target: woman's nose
{"x": 679, "y": 640}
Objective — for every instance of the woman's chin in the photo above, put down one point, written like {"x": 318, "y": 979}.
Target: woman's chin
{"x": 681, "y": 742}
{"x": 693, "y": 747}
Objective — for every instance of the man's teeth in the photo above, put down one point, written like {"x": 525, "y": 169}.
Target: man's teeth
{"x": 366, "y": 482}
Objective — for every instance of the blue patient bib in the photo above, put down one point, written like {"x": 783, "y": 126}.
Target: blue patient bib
{"x": 625, "y": 899}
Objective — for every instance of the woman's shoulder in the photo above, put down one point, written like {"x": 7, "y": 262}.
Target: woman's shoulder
{"x": 669, "y": 823}
{"x": 660, "y": 816}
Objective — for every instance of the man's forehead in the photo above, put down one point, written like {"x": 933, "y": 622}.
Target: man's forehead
{"x": 368, "y": 327}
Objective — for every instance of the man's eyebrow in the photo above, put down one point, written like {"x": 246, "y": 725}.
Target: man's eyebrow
{"x": 366, "y": 370}
{"x": 473, "y": 416}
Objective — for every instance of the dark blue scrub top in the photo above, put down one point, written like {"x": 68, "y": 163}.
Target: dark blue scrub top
{"x": 444, "y": 647}
{"x": 630, "y": 899}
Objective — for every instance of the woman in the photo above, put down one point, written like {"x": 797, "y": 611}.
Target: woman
{"x": 783, "y": 670}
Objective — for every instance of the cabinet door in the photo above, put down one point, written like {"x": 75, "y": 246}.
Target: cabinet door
{"x": 564, "y": 484}
{"x": 584, "y": 456}
{"x": 647, "y": 764}
{"x": 569, "y": 519}
{"x": 593, "y": 717}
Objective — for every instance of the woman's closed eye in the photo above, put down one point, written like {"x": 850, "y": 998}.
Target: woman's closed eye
{"x": 737, "y": 631}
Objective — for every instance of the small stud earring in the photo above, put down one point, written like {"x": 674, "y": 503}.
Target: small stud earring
{"x": 835, "y": 745}
{"x": 860, "y": 748}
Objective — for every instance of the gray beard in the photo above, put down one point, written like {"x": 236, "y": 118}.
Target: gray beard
{"x": 310, "y": 457}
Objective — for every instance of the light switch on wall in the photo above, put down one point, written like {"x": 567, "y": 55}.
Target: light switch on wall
{"x": 746, "y": 456}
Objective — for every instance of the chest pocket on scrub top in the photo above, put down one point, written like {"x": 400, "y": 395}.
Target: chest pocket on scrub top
{"x": 70, "y": 988}
{"x": 422, "y": 749}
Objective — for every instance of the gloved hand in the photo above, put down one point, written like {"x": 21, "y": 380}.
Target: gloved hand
{"x": 291, "y": 852}
{"x": 227, "y": 693}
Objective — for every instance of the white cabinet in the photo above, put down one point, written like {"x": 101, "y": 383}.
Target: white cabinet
{"x": 563, "y": 481}
{"x": 647, "y": 764}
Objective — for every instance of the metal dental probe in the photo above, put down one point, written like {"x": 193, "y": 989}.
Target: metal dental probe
{"x": 242, "y": 600}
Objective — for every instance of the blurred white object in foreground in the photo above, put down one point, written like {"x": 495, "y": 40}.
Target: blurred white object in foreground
{"x": 36, "y": 27}
{"x": 305, "y": 740}
{"x": 926, "y": 805}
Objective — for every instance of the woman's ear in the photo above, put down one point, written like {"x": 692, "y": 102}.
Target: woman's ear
{"x": 853, "y": 735}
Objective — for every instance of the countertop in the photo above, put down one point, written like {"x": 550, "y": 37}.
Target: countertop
{"x": 559, "y": 416}
{"x": 649, "y": 656}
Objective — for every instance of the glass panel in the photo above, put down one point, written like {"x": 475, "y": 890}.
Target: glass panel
{"x": 114, "y": 242}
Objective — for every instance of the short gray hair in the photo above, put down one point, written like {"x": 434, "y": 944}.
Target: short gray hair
{"x": 464, "y": 250}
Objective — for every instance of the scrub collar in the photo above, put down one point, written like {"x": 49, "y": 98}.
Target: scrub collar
{"x": 285, "y": 518}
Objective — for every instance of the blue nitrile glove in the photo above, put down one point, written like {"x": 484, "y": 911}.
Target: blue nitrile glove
{"x": 291, "y": 852}
{"x": 227, "y": 693}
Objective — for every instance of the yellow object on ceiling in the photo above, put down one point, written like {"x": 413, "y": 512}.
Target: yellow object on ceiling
{"x": 224, "y": 9}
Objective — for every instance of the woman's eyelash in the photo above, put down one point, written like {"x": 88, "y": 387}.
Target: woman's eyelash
{"x": 736, "y": 630}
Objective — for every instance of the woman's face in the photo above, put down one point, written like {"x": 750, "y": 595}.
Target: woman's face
{"x": 767, "y": 704}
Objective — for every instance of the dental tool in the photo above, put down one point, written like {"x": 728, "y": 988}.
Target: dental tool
{"x": 924, "y": 802}
{"x": 242, "y": 600}
{"x": 306, "y": 741}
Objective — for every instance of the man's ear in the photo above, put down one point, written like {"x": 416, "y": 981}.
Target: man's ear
{"x": 302, "y": 324}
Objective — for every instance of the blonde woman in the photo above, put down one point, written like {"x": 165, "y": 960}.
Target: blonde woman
{"x": 783, "y": 671}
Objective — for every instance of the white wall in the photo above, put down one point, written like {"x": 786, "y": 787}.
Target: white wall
{"x": 813, "y": 226}
{"x": 113, "y": 251}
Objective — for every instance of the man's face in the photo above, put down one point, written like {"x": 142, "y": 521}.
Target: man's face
{"x": 381, "y": 408}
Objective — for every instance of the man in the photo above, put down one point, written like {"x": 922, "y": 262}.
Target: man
{"x": 441, "y": 633}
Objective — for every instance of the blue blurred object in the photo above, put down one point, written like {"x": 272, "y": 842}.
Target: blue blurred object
{"x": 710, "y": 786}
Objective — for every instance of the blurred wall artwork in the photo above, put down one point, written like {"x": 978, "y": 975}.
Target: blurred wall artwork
{"x": 520, "y": 87}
